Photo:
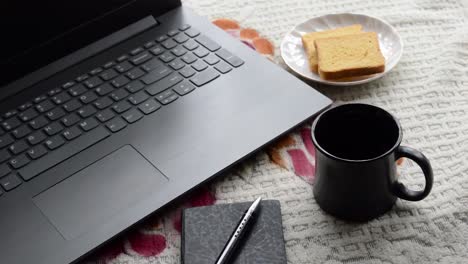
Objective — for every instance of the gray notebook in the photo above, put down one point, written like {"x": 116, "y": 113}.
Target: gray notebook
{"x": 205, "y": 231}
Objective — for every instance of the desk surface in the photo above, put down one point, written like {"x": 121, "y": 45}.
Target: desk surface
{"x": 427, "y": 91}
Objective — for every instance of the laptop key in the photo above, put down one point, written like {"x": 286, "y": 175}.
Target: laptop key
{"x": 157, "y": 50}
{"x": 104, "y": 89}
{"x": 169, "y": 99}
{"x": 44, "y": 106}
{"x": 4, "y": 170}
{"x": 4, "y": 155}
{"x": 187, "y": 71}
{"x": 135, "y": 73}
{"x": 161, "y": 38}
{"x": 176, "y": 64}
{"x": 167, "y": 57}
{"x": 70, "y": 120}
{"x": 39, "y": 99}
{"x": 134, "y": 87}
{"x": 72, "y": 133}
{"x": 149, "y": 106}
{"x": 65, "y": 152}
{"x": 87, "y": 111}
{"x": 108, "y": 74}
{"x": 120, "y": 81}
{"x": 21, "y": 131}
{"x": 61, "y": 98}
{"x": 189, "y": 58}
{"x": 93, "y": 82}
{"x": 11, "y": 123}
{"x": 37, "y": 152}
{"x": 208, "y": 43}
{"x": 18, "y": 147}
{"x": 229, "y": 57}
{"x": 88, "y": 124}
{"x": 121, "y": 107}
{"x": 54, "y": 142}
{"x": 184, "y": 88}
{"x": 54, "y": 91}
{"x": 116, "y": 124}
{"x": 77, "y": 90}
{"x": 36, "y": 137}
{"x": 55, "y": 114}
{"x": 53, "y": 128}
{"x": 184, "y": 27}
{"x": 163, "y": 95}
{"x": 105, "y": 115}
{"x": 192, "y": 32}
{"x": 25, "y": 106}
{"x": 133, "y": 115}
{"x": 109, "y": 64}
{"x": 72, "y": 105}
{"x": 181, "y": 38}
{"x": 6, "y": 140}
{"x": 10, "y": 113}
{"x": 136, "y": 51}
{"x": 199, "y": 65}
{"x": 149, "y": 44}
{"x": 28, "y": 115}
{"x": 152, "y": 64}
{"x": 122, "y": 58}
{"x": 223, "y": 67}
{"x": 88, "y": 97}
{"x": 141, "y": 58}
{"x": 172, "y": 32}
{"x": 169, "y": 44}
{"x": 10, "y": 182}
{"x": 119, "y": 95}
{"x": 201, "y": 52}
{"x": 19, "y": 161}
{"x": 138, "y": 98}
{"x": 82, "y": 77}
{"x": 191, "y": 45}
{"x": 123, "y": 67}
{"x": 164, "y": 83}
{"x": 38, "y": 122}
{"x": 96, "y": 71}
{"x": 103, "y": 102}
{"x": 156, "y": 75}
{"x": 211, "y": 59}
{"x": 178, "y": 51}
{"x": 204, "y": 77}
{"x": 68, "y": 84}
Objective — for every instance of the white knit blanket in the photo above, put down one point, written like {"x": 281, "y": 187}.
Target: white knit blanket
{"x": 427, "y": 91}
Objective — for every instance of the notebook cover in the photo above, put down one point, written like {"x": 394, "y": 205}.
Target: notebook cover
{"x": 205, "y": 231}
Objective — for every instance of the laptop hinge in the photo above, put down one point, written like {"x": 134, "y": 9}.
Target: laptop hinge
{"x": 78, "y": 56}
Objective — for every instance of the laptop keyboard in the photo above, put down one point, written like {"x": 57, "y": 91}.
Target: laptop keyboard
{"x": 68, "y": 119}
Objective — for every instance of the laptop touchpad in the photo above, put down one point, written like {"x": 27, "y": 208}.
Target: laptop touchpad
{"x": 98, "y": 192}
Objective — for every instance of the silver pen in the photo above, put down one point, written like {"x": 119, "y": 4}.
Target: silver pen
{"x": 238, "y": 232}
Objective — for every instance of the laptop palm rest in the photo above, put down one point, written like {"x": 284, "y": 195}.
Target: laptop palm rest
{"x": 92, "y": 196}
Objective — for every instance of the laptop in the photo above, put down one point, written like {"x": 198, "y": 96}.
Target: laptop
{"x": 110, "y": 110}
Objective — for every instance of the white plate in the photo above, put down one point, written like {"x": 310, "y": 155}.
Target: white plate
{"x": 295, "y": 57}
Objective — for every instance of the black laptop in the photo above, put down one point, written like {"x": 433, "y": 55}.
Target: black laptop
{"x": 112, "y": 109}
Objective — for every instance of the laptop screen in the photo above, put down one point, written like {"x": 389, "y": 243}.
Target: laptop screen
{"x": 37, "y": 32}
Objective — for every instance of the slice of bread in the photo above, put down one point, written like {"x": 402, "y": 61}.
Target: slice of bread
{"x": 349, "y": 56}
{"x": 309, "y": 39}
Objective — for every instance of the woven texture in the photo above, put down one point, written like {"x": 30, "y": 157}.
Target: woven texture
{"x": 427, "y": 91}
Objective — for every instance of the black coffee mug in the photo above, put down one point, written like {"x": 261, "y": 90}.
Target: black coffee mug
{"x": 357, "y": 148}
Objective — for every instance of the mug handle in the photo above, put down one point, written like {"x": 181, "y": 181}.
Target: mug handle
{"x": 400, "y": 189}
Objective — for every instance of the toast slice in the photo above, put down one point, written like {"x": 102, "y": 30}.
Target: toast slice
{"x": 349, "y": 56}
{"x": 309, "y": 39}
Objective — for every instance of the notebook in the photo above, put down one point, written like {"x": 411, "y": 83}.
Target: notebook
{"x": 205, "y": 231}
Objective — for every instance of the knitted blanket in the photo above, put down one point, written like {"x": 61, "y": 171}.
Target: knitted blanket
{"x": 427, "y": 91}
